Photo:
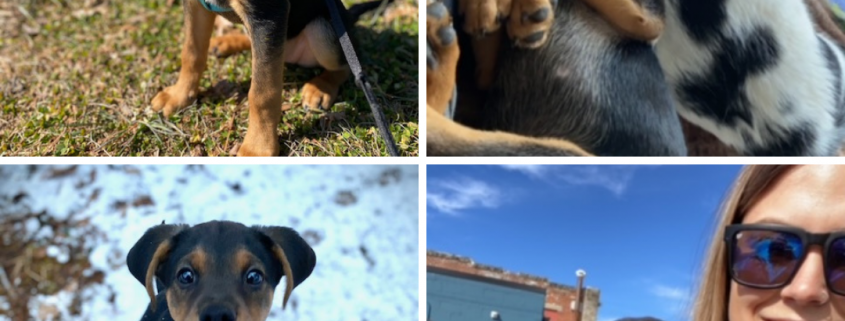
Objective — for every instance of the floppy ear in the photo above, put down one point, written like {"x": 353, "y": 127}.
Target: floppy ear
{"x": 297, "y": 257}
{"x": 144, "y": 257}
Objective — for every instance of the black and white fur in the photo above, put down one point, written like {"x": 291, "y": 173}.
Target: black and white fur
{"x": 756, "y": 74}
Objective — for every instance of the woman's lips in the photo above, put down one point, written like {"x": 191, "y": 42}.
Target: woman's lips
{"x": 789, "y": 319}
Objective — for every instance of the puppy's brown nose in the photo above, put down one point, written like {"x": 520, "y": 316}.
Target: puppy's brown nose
{"x": 217, "y": 313}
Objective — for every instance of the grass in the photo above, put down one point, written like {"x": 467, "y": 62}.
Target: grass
{"x": 77, "y": 78}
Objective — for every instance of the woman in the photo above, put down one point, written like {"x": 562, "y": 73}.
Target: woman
{"x": 779, "y": 253}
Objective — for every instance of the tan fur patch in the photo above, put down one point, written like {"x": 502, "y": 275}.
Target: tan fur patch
{"x": 199, "y": 24}
{"x": 259, "y": 310}
{"x": 160, "y": 254}
{"x": 520, "y": 28}
{"x": 441, "y": 80}
{"x": 482, "y": 16}
{"x": 280, "y": 254}
{"x": 239, "y": 7}
{"x": 630, "y": 18}
{"x": 178, "y": 308}
{"x": 243, "y": 259}
{"x": 321, "y": 91}
{"x": 229, "y": 44}
{"x": 455, "y": 138}
{"x": 199, "y": 261}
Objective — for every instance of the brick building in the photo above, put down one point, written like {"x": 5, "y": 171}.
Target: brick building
{"x": 460, "y": 289}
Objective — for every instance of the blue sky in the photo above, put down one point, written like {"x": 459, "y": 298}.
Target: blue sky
{"x": 640, "y": 232}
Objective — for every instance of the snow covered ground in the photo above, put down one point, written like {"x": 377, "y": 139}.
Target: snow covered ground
{"x": 362, "y": 222}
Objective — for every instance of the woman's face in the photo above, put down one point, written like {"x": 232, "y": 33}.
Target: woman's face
{"x": 811, "y": 198}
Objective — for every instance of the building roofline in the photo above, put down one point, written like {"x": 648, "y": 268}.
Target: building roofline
{"x": 495, "y": 269}
{"x": 481, "y": 278}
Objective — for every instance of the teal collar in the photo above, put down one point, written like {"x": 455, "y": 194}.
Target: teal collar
{"x": 213, "y": 7}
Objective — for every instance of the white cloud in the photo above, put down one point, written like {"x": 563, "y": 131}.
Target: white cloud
{"x": 675, "y": 300}
{"x": 668, "y": 292}
{"x": 452, "y": 196}
{"x": 531, "y": 170}
{"x": 612, "y": 178}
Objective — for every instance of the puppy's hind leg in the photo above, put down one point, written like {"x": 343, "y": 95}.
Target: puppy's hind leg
{"x": 199, "y": 24}
{"x": 229, "y": 44}
{"x": 318, "y": 41}
{"x": 267, "y": 29}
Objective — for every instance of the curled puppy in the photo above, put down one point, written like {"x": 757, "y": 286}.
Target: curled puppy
{"x": 530, "y": 21}
{"x": 445, "y": 137}
{"x": 590, "y": 84}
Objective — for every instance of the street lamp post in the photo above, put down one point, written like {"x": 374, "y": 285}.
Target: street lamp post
{"x": 579, "y": 294}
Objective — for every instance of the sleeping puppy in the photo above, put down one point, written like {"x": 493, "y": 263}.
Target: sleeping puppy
{"x": 528, "y": 23}
{"x": 591, "y": 85}
{"x": 764, "y": 78}
{"x": 448, "y": 138}
{"x": 591, "y": 89}
{"x": 295, "y": 31}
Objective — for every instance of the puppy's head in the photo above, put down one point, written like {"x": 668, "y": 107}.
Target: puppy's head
{"x": 220, "y": 270}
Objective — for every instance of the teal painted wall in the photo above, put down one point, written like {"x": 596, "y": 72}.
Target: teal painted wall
{"x": 456, "y": 298}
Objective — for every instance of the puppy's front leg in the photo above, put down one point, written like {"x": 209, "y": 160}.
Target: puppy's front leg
{"x": 267, "y": 25}
{"x": 442, "y": 57}
{"x": 199, "y": 24}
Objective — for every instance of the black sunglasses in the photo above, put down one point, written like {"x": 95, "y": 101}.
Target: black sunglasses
{"x": 765, "y": 256}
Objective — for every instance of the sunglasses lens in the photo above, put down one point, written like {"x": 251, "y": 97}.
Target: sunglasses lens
{"x": 836, "y": 265}
{"x": 766, "y": 258}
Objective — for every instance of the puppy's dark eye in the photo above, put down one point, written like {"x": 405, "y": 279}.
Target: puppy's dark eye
{"x": 186, "y": 276}
{"x": 253, "y": 277}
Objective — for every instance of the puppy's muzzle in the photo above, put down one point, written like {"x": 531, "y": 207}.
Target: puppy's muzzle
{"x": 217, "y": 313}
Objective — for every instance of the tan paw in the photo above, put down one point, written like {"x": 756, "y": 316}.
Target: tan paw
{"x": 173, "y": 99}
{"x": 264, "y": 146}
{"x": 530, "y": 22}
{"x": 230, "y": 44}
{"x": 483, "y": 16}
{"x": 633, "y": 18}
{"x": 318, "y": 93}
{"x": 440, "y": 32}
{"x": 442, "y": 55}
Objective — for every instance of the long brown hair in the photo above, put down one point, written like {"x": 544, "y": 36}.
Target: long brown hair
{"x": 712, "y": 301}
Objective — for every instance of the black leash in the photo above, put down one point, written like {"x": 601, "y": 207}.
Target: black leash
{"x": 361, "y": 78}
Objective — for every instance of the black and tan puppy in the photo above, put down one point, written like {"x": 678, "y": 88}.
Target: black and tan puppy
{"x": 591, "y": 87}
{"x": 218, "y": 271}
{"x": 448, "y": 138}
{"x": 528, "y": 23}
{"x": 286, "y": 31}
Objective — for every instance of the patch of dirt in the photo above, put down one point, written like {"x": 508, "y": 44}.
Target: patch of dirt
{"x": 43, "y": 262}
{"x": 345, "y": 198}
